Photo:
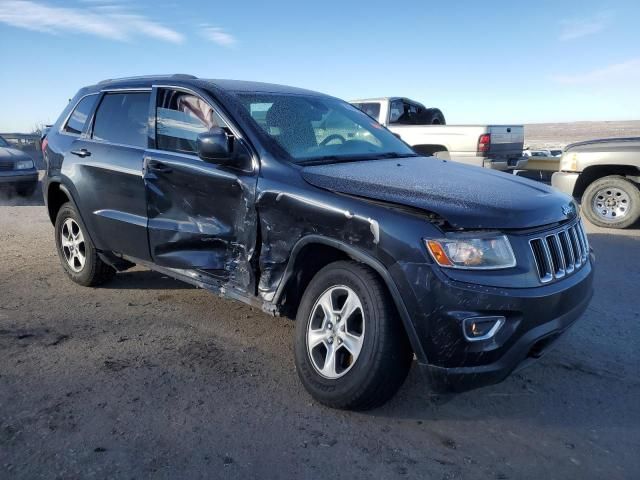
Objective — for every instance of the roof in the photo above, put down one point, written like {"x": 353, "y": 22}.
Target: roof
{"x": 184, "y": 79}
{"x": 377, "y": 99}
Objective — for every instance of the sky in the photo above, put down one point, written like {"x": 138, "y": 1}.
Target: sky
{"x": 480, "y": 62}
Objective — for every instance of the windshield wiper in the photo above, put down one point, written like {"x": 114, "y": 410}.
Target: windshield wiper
{"x": 393, "y": 155}
{"x": 354, "y": 158}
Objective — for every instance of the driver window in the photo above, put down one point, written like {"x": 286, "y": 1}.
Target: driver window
{"x": 404, "y": 113}
{"x": 180, "y": 118}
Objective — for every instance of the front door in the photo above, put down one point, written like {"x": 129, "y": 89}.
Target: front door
{"x": 201, "y": 215}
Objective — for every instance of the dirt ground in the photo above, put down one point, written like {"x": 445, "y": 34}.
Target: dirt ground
{"x": 150, "y": 378}
{"x": 553, "y": 135}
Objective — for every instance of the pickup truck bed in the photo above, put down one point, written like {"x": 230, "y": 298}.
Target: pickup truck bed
{"x": 492, "y": 146}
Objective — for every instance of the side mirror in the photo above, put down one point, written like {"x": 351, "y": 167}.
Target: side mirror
{"x": 215, "y": 146}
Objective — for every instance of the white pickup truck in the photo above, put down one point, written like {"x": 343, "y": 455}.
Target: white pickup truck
{"x": 492, "y": 146}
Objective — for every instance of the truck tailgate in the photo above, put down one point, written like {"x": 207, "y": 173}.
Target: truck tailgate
{"x": 506, "y": 140}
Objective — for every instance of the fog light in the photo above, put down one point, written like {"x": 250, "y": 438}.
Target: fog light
{"x": 481, "y": 328}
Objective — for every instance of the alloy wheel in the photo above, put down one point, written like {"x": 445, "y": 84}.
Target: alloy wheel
{"x": 73, "y": 245}
{"x": 335, "y": 332}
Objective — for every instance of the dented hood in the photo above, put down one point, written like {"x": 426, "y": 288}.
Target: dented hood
{"x": 467, "y": 197}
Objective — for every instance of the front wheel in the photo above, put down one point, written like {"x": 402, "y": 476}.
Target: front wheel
{"x": 612, "y": 202}
{"x": 351, "y": 350}
{"x": 78, "y": 256}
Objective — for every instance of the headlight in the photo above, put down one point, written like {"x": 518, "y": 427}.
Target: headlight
{"x": 569, "y": 162}
{"x": 24, "y": 164}
{"x": 472, "y": 253}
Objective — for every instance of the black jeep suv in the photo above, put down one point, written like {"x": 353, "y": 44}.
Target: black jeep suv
{"x": 299, "y": 204}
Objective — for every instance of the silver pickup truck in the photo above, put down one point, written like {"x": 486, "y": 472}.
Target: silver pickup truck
{"x": 492, "y": 146}
{"x": 605, "y": 174}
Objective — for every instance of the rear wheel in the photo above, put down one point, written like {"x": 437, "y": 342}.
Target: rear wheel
{"x": 612, "y": 202}
{"x": 77, "y": 254}
{"x": 351, "y": 350}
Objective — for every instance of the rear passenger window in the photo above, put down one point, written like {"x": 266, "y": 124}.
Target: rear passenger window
{"x": 122, "y": 118}
{"x": 180, "y": 118}
{"x": 78, "y": 118}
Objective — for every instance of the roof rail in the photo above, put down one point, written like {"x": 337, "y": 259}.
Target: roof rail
{"x": 184, "y": 76}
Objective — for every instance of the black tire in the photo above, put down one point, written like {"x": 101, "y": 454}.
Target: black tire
{"x": 385, "y": 356}
{"x": 616, "y": 186}
{"x": 435, "y": 117}
{"x": 26, "y": 190}
{"x": 94, "y": 272}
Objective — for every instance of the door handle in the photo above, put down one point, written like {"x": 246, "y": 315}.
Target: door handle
{"x": 81, "y": 153}
{"x": 159, "y": 167}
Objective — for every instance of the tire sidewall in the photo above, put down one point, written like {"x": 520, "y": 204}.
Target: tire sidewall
{"x": 615, "y": 182}
{"x": 351, "y": 381}
{"x": 84, "y": 276}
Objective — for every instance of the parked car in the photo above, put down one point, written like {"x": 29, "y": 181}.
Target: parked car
{"x": 17, "y": 170}
{"x": 377, "y": 252}
{"x": 541, "y": 161}
{"x": 493, "y": 146}
{"x": 605, "y": 175}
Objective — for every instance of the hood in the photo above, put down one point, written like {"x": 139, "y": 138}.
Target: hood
{"x": 630, "y": 144}
{"x": 465, "y": 196}
{"x": 12, "y": 155}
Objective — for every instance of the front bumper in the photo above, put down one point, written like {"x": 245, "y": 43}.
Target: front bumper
{"x": 535, "y": 317}
{"x": 12, "y": 177}
{"x": 529, "y": 347}
{"x": 565, "y": 181}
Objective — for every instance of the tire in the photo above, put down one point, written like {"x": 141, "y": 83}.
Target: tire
{"x": 612, "y": 202}
{"x": 436, "y": 117}
{"x": 374, "y": 375}
{"x": 92, "y": 271}
{"x": 26, "y": 191}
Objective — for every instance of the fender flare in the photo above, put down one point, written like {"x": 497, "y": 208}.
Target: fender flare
{"x": 67, "y": 191}
{"x": 371, "y": 262}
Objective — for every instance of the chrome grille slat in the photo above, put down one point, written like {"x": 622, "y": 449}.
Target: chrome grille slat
{"x": 568, "y": 252}
{"x": 577, "y": 246}
{"x": 560, "y": 253}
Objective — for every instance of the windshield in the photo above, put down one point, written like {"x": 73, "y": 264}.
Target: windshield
{"x": 315, "y": 129}
{"x": 3, "y": 142}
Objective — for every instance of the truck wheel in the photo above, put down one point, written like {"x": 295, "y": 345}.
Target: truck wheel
{"x": 77, "y": 254}
{"x": 351, "y": 350}
{"x": 612, "y": 202}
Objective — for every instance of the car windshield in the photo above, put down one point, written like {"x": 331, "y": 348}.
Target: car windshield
{"x": 3, "y": 142}
{"x": 316, "y": 129}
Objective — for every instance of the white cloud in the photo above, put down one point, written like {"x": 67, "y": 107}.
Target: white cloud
{"x": 217, "y": 35}
{"x": 111, "y": 22}
{"x": 609, "y": 75}
{"x": 581, "y": 27}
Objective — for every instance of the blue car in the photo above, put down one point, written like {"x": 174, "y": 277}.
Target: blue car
{"x": 17, "y": 170}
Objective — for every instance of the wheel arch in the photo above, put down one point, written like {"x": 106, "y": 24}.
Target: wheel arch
{"x": 429, "y": 149}
{"x": 296, "y": 278}
{"x": 58, "y": 194}
{"x": 595, "y": 172}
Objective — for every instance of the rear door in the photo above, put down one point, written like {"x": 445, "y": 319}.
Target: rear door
{"x": 201, "y": 215}
{"x": 105, "y": 166}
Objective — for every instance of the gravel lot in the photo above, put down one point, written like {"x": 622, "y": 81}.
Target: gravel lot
{"x": 150, "y": 378}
